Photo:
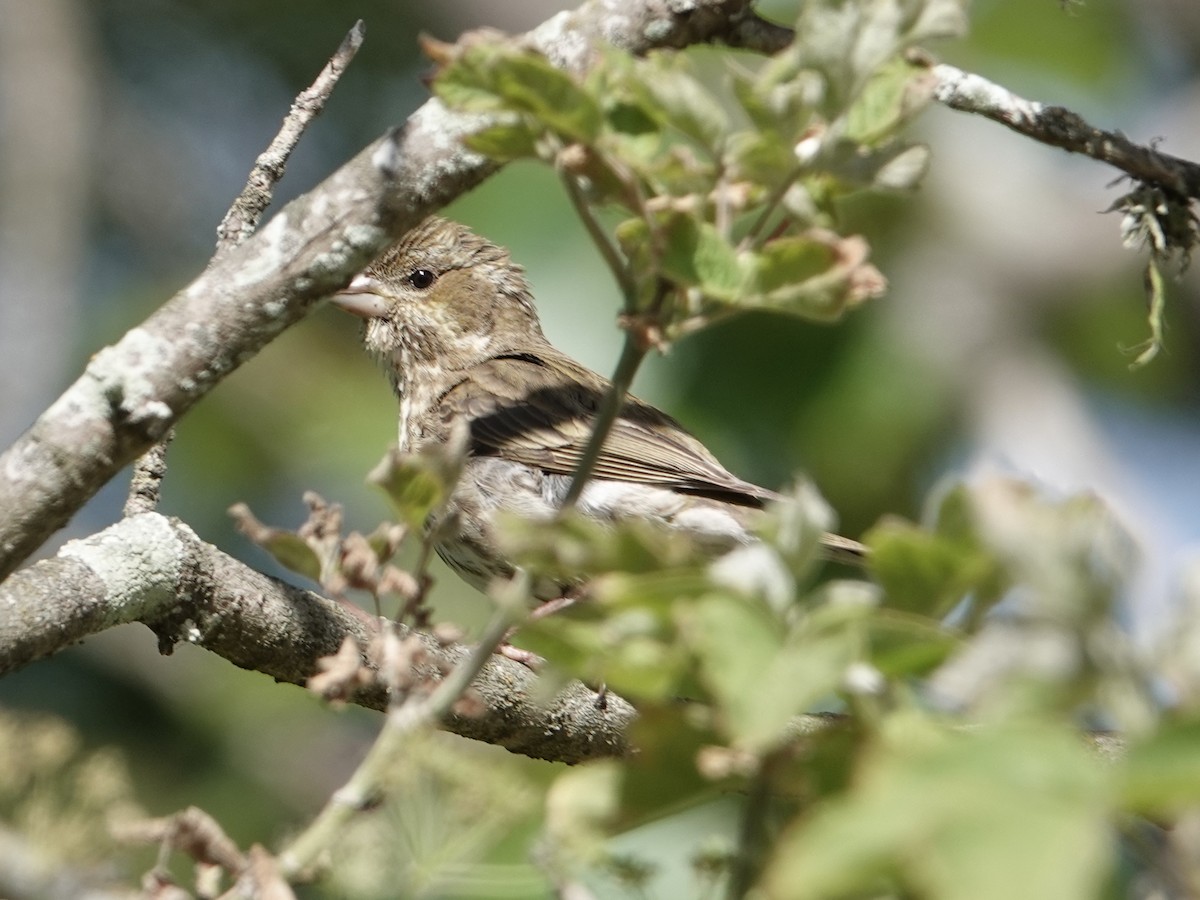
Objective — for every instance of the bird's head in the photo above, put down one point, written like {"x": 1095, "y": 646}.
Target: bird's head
{"x": 443, "y": 296}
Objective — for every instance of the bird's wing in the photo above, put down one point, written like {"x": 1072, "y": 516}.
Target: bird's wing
{"x": 538, "y": 408}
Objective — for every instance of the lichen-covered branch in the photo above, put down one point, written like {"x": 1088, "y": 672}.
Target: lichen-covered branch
{"x": 152, "y": 569}
{"x": 133, "y": 391}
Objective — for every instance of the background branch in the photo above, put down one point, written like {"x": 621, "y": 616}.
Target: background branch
{"x": 1060, "y": 127}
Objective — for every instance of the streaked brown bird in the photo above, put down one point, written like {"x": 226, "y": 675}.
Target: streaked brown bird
{"x": 453, "y": 320}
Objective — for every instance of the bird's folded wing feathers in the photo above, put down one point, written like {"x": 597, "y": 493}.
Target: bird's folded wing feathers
{"x": 538, "y": 409}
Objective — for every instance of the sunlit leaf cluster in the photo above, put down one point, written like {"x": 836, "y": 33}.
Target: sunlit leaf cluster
{"x": 723, "y": 181}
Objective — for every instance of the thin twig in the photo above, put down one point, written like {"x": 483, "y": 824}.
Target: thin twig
{"x": 753, "y": 238}
{"x": 619, "y": 270}
{"x": 145, "y": 485}
{"x": 243, "y": 217}
{"x": 1060, "y": 127}
{"x": 240, "y": 221}
{"x": 366, "y": 786}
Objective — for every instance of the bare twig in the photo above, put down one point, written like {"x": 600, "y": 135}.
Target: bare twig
{"x": 191, "y": 831}
{"x": 145, "y": 485}
{"x": 240, "y": 222}
{"x": 1060, "y": 127}
{"x": 243, "y": 217}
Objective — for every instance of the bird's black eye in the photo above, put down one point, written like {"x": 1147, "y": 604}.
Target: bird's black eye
{"x": 421, "y": 278}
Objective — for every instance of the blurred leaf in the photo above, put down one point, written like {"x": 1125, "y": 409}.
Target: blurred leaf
{"x": 672, "y": 96}
{"x": 817, "y": 275}
{"x": 794, "y": 524}
{"x": 663, "y": 775}
{"x": 895, "y": 166}
{"x": 288, "y": 549}
{"x": 575, "y": 545}
{"x": 505, "y": 142}
{"x": 903, "y": 170}
{"x": 580, "y": 806}
{"x": 928, "y": 573}
{"x": 894, "y": 94}
{"x": 988, "y": 814}
{"x": 761, "y": 678}
{"x": 905, "y": 646}
{"x": 1160, "y": 775}
{"x": 761, "y": 156}
{"x": 494, "y": 76}
{"x": 849, "y": 42}
{"x": 779, "y": 97}
{"x": 622, "y": 633}
{"x": 417, "y": 483}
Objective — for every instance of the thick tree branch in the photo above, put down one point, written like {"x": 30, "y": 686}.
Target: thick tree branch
{"x": 155, "y": 570}
{"x": 1059, "y": 127}
{"x": 132, "y": 392}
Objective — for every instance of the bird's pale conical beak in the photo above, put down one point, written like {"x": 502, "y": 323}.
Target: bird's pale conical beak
{"x": 361, "y": 297}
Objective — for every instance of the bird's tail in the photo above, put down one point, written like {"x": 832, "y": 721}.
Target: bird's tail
{"x": 836, "y": 548}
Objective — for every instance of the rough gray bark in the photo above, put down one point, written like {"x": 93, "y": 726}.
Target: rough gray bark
{"x": 155, "y": 570}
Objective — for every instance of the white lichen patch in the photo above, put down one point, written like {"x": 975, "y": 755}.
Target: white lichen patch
{"x": 386, "y": 157}
{"x": 83, "y": 402}
{"x": 268, "y": 252}
{"x": 126, "y": 373}
{"x": 563, "y": 42}
{"x": 354, "y": 242}
{"x": 138, "y": 560}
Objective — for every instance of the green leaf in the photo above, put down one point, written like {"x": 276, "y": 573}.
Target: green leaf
{"x": 505, "y": 142}
{"x": 674, "y": 97}
{"x": 491, "y": 76}
{"x": 905, "y": 646}
{"x": 288, "y": 548}
{"x": 1161, "y": 775}
{"x": 987, "y": 814}
{"x": 663, "y": 776}
{"x": 760, "y": 681}
{"x": 760, "y": 156}
{"x": 416, "y": 483}
{"x": 817, "y": 275}
{"x": 893, "y": 95}
{"x": 928, "y": 573}
{"x": 780, "y": 97}
{"x": 697, "y": 256}
{"x": 292, "y": 552}
{"x": 578, "y": 546}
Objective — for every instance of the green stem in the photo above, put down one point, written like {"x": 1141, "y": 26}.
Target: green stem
{"x": 753, "y": 235}
{"x": 753, "y": 841}
{"x": 619, "y": 270}
{"x": 366, "y": 785}
{"x": 632, "y": 355}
